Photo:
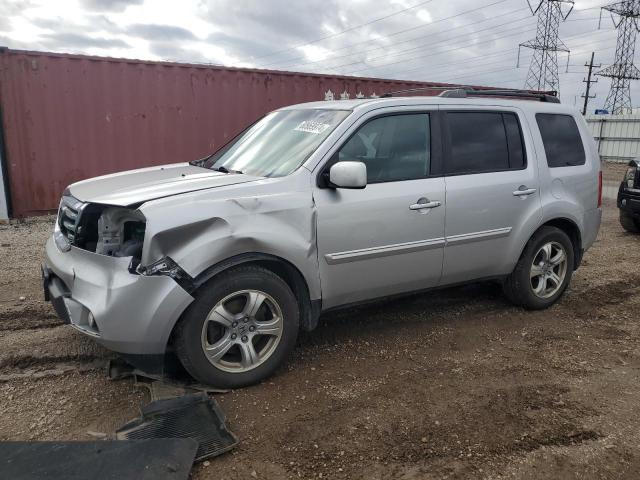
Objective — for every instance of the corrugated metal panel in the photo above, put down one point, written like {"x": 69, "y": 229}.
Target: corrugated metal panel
{"x": 617, "y": 136}
{"x": 70, "y": 117}
{"x": 4, "y": 180}
{"x": 4, "y": 210}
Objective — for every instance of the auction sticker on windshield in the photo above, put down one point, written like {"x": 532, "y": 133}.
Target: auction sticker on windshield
{"x": 309, "y": 126}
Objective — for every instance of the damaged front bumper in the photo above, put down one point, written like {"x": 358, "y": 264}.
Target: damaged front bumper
{"x": 98, "y": 295}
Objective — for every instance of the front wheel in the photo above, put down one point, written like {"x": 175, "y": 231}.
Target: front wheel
{"x": 544, "y": 270}
{"x": 241, "y": 326}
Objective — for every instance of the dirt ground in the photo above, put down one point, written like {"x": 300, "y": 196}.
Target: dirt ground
{"x": 455, "y": 383}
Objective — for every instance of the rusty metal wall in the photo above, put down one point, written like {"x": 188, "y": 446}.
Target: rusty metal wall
{"x": 70, "y": 117}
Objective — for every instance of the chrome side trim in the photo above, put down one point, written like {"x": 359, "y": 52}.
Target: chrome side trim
{"x": 384, "y": 251}
{"x": 478, "y": 236}
{"x": 399, "y": 248}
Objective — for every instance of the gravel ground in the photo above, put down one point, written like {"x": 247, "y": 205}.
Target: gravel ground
{"x": 451, "y": 384}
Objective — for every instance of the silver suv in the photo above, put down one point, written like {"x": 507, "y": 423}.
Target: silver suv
{"x": 222, "y": 261}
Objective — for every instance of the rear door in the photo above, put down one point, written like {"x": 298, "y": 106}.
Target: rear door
{"x": 493, "y": 200}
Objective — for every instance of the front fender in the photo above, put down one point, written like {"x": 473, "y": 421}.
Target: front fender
{"x": 198, "y": 232}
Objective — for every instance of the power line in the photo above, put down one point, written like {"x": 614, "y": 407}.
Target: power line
{"x": 350, "y": 46}
{"x": 333, "y": 35}
{"x": 519, "y": 32}
{"x": 466, "y": 46}
{"x": 455, "y": 64}
{"x": 395, "y": 44}
{"x": 432, "y": 44}
{"x": 507, "y": 51}
{"x": 399, "y": 32}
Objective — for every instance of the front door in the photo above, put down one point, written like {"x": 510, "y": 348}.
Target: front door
{"x": 387, "y": 238}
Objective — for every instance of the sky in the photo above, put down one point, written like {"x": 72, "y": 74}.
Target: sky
{"x": 458, "y": 41}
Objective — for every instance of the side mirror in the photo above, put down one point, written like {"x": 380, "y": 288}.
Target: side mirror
{"x": 348, "y": 175}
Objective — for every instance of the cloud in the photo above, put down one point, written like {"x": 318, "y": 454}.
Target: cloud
{"x": 174, "y": 52}
{"x": 77, "y": 42}
{"x": 241, "y": 45}
{"x": 159, "y": 32}
{"x": 457, "y": 41}
{"x": 109, "y": 5}
{"x": 273, "y": 25}
{"x": 10, "y": 8}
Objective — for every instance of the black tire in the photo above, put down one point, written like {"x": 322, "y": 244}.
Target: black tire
{"x": 629, "y": 223}
{"x": 518, "y": 287}
{"x": 188, "y": 335}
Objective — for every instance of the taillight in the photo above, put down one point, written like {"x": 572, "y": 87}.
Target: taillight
{"x": 600, "y": 189}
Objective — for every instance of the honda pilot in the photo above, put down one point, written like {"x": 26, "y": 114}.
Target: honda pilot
{"x": 222, "y": 261}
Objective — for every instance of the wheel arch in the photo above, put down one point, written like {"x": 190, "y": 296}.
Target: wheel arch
{"x": 569, "y": 227}
{"x": 309, "y": 309}
{"x": 573, "y": 231}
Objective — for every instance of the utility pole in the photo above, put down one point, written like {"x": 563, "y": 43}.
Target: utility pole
{"x": 589, "y": 81}
{"x": 543, "y": 69}
{"x": 623, "y": 71}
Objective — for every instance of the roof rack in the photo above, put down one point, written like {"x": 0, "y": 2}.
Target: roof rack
{"x": 465, "y": 92}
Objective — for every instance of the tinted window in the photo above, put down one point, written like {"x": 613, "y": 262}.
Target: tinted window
{"x": 517, "y": 158}
{"x": 393, "y": 148}
{"x": 561, "y": 138}
{"x": 484, "y": 142}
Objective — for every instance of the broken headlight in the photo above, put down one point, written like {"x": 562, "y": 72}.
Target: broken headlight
{"x": 167, "y": 267}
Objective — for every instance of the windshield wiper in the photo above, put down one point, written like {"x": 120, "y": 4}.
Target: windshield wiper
{"x": 226, "y": 170}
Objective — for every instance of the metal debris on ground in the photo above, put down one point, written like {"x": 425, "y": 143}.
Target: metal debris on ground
{"x": 149, "y": 459}
{"x": 118, "y": 369}
{"x": 160, "y": 390}
{"x": 194, "y": 416}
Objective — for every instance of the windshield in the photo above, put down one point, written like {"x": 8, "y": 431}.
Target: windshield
{"x": 278, "y": 144}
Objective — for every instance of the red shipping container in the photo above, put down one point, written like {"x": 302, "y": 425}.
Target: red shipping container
{"x": 70, "y": 117}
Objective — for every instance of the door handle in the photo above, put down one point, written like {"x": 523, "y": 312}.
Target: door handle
{"x": 426, "y": 204}
{"x": 524, "y": 191}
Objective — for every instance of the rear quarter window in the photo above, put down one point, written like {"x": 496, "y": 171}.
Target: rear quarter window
{"x": 561, "y": 138}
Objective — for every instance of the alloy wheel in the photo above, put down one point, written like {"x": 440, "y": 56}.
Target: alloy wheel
{"x": 242, "y": 331}
{"x": 548, "y": 270}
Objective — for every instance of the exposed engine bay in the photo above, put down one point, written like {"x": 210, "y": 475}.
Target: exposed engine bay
{"x": 120, "y": 233}
{"x": 103, "y": 229}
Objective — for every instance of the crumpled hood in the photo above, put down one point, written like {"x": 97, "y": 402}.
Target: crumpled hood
{"x": 138, "y": 186}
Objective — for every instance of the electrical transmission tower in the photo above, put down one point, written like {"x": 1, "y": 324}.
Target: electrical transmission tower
{"x": 543, "y": 69}
{"x": 623, "y": 70}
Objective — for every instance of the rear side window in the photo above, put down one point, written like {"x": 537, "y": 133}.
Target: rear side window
{"x": 484, "y": 142}
{"x": 561, "y": 139}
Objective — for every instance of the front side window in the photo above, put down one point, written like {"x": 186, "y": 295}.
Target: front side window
{"x": 561, "y": 138}
{"x": 279, "y": 143}
{"x": 484, "y": 142}
{"x": 394, "y": 147}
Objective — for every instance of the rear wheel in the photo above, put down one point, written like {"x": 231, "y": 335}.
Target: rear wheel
{"x": 629, "y": 223}
{"x": 544, "y": 270}
{"x": 240, "y": 327}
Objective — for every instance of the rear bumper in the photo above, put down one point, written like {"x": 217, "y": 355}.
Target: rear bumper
{"x": 96, "y": 294}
